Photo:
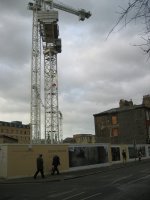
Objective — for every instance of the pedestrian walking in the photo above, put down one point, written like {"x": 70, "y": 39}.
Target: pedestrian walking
{"x": 39, "y": 164}
{"x": 124, "y": 156}
{"x": 55, "y": 163}
{"x": 140, "y": 155}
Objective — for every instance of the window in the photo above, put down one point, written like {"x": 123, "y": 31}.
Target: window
{"x": 147, "y": 115}
{"x": 114, "y": 132}
{"x": 114, "y": 120}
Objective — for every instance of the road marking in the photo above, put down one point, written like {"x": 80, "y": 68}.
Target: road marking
{"x": 139, "y": 179}
{"x": 145, "y": 170}
{"x": 73, "y": 196}
{"x": 105, "y": 176}
{"x": 59, "y": 194}
{"x": 97, "y": 194}
{"x": 122, "y": 178}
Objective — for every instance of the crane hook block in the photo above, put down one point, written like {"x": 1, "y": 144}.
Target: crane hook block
{"x": 83, "y": 14}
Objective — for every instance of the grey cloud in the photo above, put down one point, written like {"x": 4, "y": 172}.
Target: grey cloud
{"x": 94, "y": 73}
{"x": 15, "y": 41}
{"x": 14, "y": 7}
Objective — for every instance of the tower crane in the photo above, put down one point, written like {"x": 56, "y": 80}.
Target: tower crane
{"x": 45, "y": 31}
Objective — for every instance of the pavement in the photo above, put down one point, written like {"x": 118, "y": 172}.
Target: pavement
{"x": 71, "y": 174}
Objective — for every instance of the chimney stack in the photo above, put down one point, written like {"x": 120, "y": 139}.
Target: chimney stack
{"x": 124, "y": 103}
{"x": 146, "y": 100}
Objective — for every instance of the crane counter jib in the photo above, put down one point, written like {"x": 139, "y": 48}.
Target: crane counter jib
{"x": 39, "y": 4}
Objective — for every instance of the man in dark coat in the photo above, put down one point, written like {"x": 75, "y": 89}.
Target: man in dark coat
{"x": 39, "y": 164}
{"x": 124, "y": 156}
{"x": 55, "y": 163}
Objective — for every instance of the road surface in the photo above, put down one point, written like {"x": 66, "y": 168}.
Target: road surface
{"x": 131, "y": 182}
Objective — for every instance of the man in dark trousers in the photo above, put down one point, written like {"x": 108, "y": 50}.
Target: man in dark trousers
{"x": 124, "y": 156}
{"x": 39, "y": 164}
{"x": 140, "y": 155}
{"x": 55, "y": 163}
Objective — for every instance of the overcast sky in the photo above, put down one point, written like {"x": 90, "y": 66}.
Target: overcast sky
{"x": 94, "y": 73}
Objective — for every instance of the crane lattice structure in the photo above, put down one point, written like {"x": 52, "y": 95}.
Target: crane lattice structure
{"x": 45, "y": 31}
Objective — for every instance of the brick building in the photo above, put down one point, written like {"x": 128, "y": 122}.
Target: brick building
{"x": 15, "y": 130}
{"x": 84, "y": 138}
{"x": 126, "y": 124}
{"x": 80, "y": 139}
{"x": 6, "y": 139}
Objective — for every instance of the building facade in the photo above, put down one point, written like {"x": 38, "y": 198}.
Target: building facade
{"x": 127, "y": 124}
{"x": 84, "y": 138}
{"x": 15, "y": 130}
{"x": 5, "y": 139}
{"x": 80, "y": 139}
